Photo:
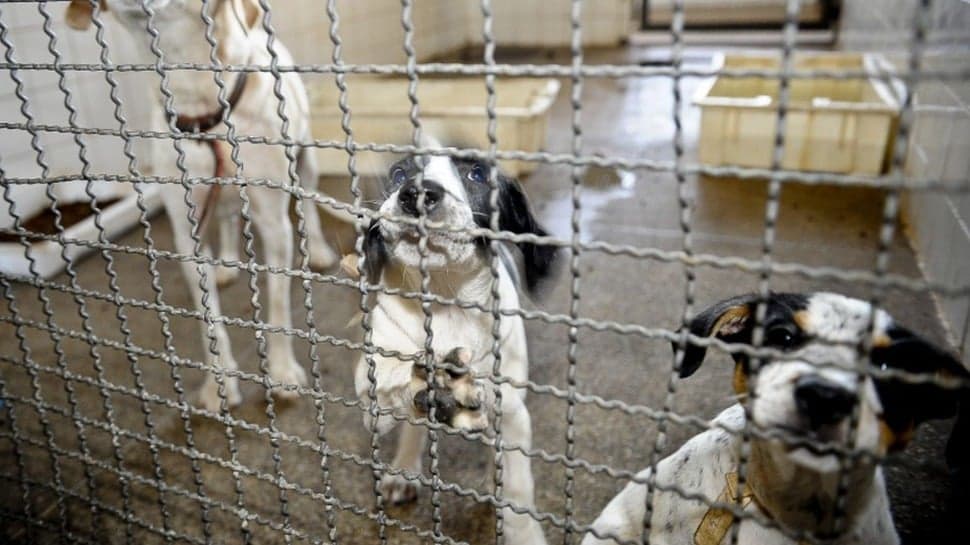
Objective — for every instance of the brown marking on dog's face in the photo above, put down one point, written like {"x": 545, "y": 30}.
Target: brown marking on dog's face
{"x": 801, "y": 319}
{"x": 740, "y": 380}
{"x": 893, "y": 440}
{"x": 80, "y": 13}
{"x": 881, "y": 340}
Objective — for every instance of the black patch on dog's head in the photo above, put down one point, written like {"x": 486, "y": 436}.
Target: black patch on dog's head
{"x": 516, "y": 216}
{"x": 732, "y": 321}
{"x": 907, "y": 404}
{"x": 375, "y": 253}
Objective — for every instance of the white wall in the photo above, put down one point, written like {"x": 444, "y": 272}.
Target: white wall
{"x": 936, "y": 222}
{"x": 546, "y": 23}
{"x": 372, "y": 32}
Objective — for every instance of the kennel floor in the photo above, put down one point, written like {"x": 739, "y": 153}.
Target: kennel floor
{"x": 817, "y": 225}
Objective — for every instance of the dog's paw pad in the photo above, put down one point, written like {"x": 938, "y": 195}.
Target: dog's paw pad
{"x": 459, "y": 357}
{"x": 457, "y": 397}
{"x": 397, "y": 490}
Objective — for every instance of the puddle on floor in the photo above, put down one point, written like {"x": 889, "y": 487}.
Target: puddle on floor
{"x": 601, "y": 187}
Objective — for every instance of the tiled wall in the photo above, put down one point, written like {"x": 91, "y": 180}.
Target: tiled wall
{"x": 371, "y": 31}
{"x": 546, "y": 23}
{"x": 936, "y": 222}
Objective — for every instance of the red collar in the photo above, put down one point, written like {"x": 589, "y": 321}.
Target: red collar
{"x": 202, "y": 123}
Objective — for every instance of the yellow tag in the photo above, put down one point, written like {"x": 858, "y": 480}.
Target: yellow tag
{"x": 716, "y": 522}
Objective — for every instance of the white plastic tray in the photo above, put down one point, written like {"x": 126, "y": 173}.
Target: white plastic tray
{"x": 832, "y": 125}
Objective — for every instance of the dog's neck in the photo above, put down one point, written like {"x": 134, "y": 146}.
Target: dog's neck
{"x": 182, "y": 39}
{"x": 470, "y": 284}
{"x": 804, "y": 498}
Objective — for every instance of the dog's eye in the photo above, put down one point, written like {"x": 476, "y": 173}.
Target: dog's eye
{"x": 781, "y": 337}
{"x": 398, "y": 176}
{"x": 477, "y": 174}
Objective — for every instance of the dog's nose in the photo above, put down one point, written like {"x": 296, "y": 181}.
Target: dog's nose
{"x": 408, "y": 197}
{"x": 822, "y": 402}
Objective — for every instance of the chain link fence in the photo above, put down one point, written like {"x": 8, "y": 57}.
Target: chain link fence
{"x": 101, "y": 438}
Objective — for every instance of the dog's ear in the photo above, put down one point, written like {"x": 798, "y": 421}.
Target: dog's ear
{"x": 731, "y": 320}
{"x": 80, "y": 13}
{"x": 516, "y": 216}
{"x": 906, "y": 403}
{"x": 375, "y": 253}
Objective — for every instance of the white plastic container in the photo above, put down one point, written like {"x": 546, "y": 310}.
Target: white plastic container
{"x": 451, "y": 108}
{"x": 832, "y": 125}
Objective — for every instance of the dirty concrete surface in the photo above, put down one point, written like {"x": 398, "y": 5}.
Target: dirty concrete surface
{"x": 819, "y": 226}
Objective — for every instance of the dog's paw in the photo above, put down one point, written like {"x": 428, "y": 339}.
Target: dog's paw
{"x": 458, "y": 398}
{"x": 208, "y": 397}
{"x": 322, "y": 256}
{"x": 397, "y": 490}
{"x": 287, "y": 374}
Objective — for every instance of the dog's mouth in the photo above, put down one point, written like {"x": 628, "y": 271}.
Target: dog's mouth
{"x": 818, "y": 442}
{"x": 411, "y": 235}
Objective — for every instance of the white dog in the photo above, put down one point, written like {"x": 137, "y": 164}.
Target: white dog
{"x": 792, "y": 483}
{"x": 453, "y": 192}
{"x": 253, "y": 111}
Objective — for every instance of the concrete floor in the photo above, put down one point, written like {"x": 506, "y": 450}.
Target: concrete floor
{"x": 818, "y": 226}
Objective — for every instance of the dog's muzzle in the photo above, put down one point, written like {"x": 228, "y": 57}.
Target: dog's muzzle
{"x": 821, "y": 402}
{"x": 408, "y": 197}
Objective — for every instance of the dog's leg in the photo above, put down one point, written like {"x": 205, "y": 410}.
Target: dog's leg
{"x": 322, "y": 255}
{"x": 410, "y": 445}
{"x": 276, "y": 232}
{"x": 181, "y": 229}
{"x": 518, "y": 485}
{"x": 228, "y": 219}
{"x": 623, "y": 516}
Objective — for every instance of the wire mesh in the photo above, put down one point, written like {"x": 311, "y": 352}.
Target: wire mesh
{"x": 105, "y": 433}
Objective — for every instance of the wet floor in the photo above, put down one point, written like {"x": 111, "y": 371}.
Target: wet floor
{"x": 110, "y": 457}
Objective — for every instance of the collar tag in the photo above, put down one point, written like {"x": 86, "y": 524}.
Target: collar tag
{"x": 716, "y": 522}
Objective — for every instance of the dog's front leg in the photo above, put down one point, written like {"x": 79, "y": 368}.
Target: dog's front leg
{"x": 228, "y": 219}
{"x": 396, "y": 488}
{"x": 276, "y": 232}
{"x": 322, "y": 255}
{"x": 623, "y": 516}
{"x": 209, "y": 399}
{"x": 517, "y": 484}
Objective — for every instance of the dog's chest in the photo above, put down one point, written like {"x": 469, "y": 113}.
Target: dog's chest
{"x": 404, "y": 328}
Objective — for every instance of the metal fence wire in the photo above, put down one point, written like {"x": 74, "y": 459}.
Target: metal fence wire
{"x": 101, "y": 439}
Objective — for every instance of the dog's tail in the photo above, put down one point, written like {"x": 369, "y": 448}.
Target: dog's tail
{"x": 306, "y": 168}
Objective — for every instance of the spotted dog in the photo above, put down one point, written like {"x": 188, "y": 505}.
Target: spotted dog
{"x": 793, "y": 483}
{"x": 240, "y": 38}
{"x": 454, "y": 193}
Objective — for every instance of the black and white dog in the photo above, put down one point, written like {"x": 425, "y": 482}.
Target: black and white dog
{"x": 792, "y": 482}
{"x": 454, "y": 193}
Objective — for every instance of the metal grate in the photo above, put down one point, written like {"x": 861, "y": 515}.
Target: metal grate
{"x": 100, "y": 440}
